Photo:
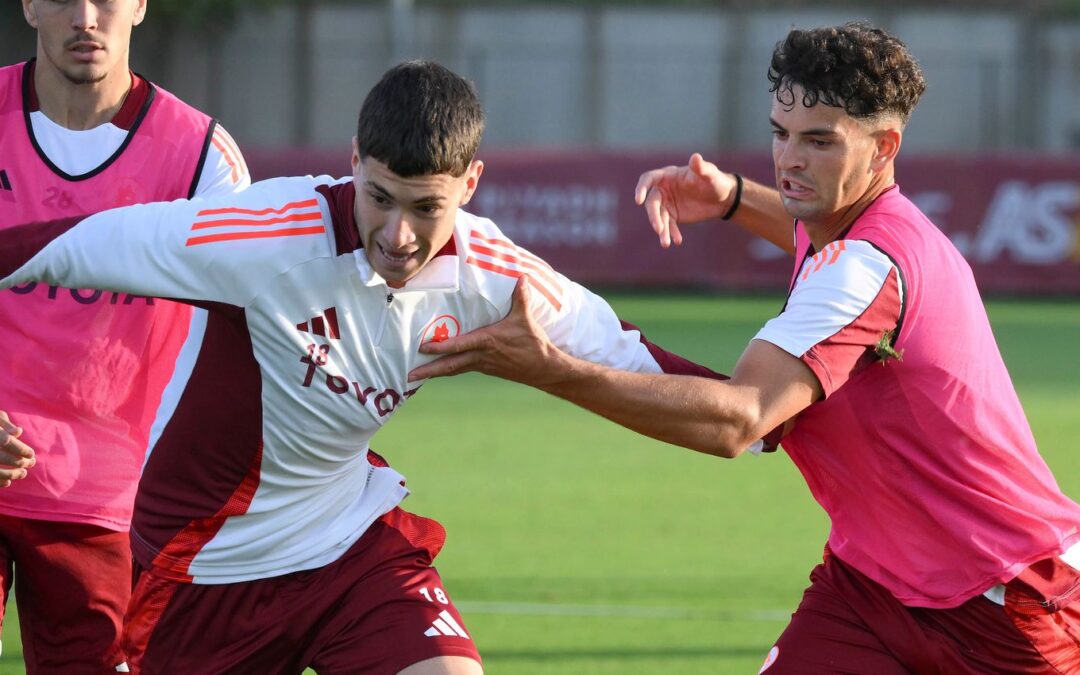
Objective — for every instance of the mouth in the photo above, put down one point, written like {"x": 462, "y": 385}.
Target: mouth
{"x": 395, "y": 259}
{"x": 85, "y": 50}
{"x": 794, "y": 189}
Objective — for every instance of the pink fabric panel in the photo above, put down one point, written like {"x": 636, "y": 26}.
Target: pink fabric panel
{"x": 84, "y": 369}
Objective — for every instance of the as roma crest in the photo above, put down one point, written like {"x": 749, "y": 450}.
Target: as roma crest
{"x": 441, "y": 328}
{"x": 126, "y": 191}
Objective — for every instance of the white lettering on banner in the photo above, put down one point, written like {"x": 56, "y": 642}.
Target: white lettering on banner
{"x": 574, "y": 215}
{"x": 1032, "y": 224}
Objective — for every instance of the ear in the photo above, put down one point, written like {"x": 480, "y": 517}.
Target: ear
{"x": 355, "y": 156}
{"x": 472, "y": 179}
{"x": 30, "y": 13}
{"x": 886, "y": 146}
{"x": 140, "y": 12}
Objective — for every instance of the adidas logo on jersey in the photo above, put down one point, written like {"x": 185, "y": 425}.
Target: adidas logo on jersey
{"x": 7, "y": 194}
{"x": 445, "y": 625}
{"x": 325, "y": 325}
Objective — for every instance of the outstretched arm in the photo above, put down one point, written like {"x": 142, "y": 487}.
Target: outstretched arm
{"x": 217, "y": 250}
{"x": 722, "y": 418}
{"x": 681, "y": 195}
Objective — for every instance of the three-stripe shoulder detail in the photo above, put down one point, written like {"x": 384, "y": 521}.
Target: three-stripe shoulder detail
{"x": 501, "y": 256}
{"x": 293, "y": 219}
{"x": 231, "y": 152}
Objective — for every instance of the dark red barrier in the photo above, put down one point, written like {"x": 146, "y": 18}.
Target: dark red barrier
{"x": 1016, "y": 219}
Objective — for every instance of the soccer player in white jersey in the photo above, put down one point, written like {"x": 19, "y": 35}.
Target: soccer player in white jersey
{"x": 952, "y": 549}
{"x": 267, "y": 534}
{"x": 84, "y": 370}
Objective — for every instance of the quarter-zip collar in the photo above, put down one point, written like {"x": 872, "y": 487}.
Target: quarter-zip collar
{"x": 442, "y": 273}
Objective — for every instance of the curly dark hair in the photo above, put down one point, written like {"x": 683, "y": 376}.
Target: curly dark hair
{"x": 858, "y": 67}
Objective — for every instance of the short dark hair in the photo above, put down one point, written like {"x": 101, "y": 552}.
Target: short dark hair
{"x": 421, "y": 119}
{"x": 858, "y": 67}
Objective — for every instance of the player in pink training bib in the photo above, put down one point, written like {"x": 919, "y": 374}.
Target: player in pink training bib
{"x": 952, "y": 549}
{"x": 79, "y": 132}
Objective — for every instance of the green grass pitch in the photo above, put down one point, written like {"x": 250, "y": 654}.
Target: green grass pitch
{"x": 578, "y": 547}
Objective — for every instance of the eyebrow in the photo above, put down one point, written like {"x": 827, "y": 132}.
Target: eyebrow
{"x": 386, "y": 193}
{"x": 824, "y": 131}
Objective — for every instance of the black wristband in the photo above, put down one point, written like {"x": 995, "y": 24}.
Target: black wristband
{"x": 737, "y": 200}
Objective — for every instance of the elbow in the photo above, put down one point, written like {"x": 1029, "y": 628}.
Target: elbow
{"x": 730, "y": 446}
{"x": 724, "y": 450}
{"x": 734, "y": 435}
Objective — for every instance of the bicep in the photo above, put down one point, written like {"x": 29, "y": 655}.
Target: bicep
{"x": 777, "y": 385}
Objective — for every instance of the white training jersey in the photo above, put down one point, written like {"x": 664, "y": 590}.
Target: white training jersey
{"x": 259, "y": 463}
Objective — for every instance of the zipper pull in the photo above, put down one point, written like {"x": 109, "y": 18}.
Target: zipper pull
{"x": 389, "y": 299}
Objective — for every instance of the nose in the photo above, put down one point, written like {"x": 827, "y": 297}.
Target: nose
{"x": 787, "y": 155}
{"x": 84, "y": 15}
{"x": 399, "y": 232}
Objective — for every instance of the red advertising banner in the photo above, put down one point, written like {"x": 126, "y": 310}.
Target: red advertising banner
{"x": 1015, "y": 219}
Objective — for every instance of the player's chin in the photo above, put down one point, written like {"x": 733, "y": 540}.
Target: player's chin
{"x": 802, "y": 209}
{"x": 86, "y": 74}
{"x": 399, "y": 274}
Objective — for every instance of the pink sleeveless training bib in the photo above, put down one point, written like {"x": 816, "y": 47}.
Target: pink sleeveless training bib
{"x": 84, "y": 370}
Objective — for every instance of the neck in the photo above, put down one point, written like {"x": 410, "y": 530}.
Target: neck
{"x": 828, "y": 230}
{"x": 80, "y": 106}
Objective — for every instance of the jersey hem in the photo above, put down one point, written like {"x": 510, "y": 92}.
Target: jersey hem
{"x": 976, "y": 590}
{"x": 141, "y": 550}
{"x": 113, "y": 524}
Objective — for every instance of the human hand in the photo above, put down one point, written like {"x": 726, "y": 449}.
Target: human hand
{"x": 514, "y": 348}
{"x": 681, "y": 195}
{"x": 16, "y": 457}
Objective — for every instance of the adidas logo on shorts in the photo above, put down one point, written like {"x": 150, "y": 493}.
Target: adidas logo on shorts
{"x": 445, "y": 625}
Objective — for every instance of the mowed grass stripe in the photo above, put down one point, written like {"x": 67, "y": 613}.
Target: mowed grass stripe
{"x": 619, "y": 611}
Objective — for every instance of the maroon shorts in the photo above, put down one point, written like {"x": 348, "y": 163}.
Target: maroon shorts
{"x": 378, "y": 609}
{"x": 847, "y": 623}
{"x": 72, "y": 582}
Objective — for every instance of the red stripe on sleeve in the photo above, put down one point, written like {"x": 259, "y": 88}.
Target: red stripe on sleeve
{"x": 258, "y": 212}
{"x": 506, "y": 271}
{"x": 270, "y": 234}
{"x": 250, "y": 222}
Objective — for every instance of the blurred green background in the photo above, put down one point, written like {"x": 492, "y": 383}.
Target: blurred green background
{"x": 578, "y": 547}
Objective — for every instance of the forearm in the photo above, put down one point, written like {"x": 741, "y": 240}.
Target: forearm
{"x": 761, "y": 213}
{"x": 768, "y": 387}
{"x": 706, "y": 415}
